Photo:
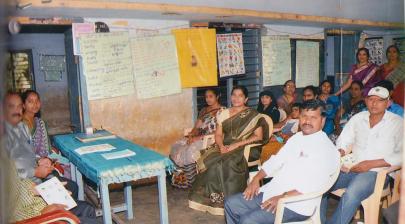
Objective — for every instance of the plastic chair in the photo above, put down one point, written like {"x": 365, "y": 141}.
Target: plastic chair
{"x": 246, "y": 151}
{"x": 316, "y": 217}
{"x": 58, "y": 216}
{"x": 371, "y": 205}
{"x": 283, "y": 115}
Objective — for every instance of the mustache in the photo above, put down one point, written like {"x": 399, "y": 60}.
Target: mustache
{"x": 16, "y": 115}
{"x": 307, "y": 125}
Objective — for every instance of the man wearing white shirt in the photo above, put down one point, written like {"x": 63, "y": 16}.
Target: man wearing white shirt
{"x": 305, "y": 164}
{"x": 375, "y": 137}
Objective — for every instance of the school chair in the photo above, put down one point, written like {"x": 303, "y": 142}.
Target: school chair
{"x": 315, "y": 217}
{"x": 246, "y": 151}
{"x": 58, "y": 216}
{"x": 371, "y": 205}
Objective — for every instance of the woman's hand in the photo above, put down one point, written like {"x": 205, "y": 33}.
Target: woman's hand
{"x": 224, "y": 148}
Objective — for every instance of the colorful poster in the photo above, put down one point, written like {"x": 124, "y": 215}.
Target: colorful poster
{"x": 307, "y": 63}
{"x": 230, "y": 54}
{"x": 77, "y": 30}
{"x": 107, "y": 64}
{"x": 276, "y": 57}
{"x": 197, "y": 55}
{"x": 376, "y": 49}
{"x": 155, "y": 65}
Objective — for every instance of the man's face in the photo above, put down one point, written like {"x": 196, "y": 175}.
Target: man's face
{"x": 308, "y": 95}
{"x": 376, "y": 105}
{"x": 311, "y": 121}
{"x": 13, "y": 109}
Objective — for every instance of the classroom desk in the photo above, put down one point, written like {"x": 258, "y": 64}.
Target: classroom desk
{"x": 146, "y": 163}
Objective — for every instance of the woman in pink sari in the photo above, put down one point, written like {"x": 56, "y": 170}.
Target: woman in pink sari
{"x": 364, "y": 71}
{"x": 388, "y": 68}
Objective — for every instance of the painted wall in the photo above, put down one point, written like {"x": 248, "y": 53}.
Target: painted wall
{"x": 54, "y": 95}
{"x": 155, "y": 123}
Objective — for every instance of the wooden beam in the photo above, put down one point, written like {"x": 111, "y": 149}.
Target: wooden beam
{"x": 23, "y": 20}
{"x": 181, "y": 9}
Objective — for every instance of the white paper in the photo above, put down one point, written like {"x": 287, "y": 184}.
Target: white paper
{"x": 307, "y": 63}
{"x": 53, "y": 192}
{"x": 119, "y": 154}
{"x": 276, "y": 56}
{"x": 94, "y": 148}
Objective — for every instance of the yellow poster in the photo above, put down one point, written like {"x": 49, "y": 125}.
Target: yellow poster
{"x": 197, "y": 54}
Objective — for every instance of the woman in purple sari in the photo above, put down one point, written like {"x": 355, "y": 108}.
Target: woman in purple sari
{"x": 364, "y": 71}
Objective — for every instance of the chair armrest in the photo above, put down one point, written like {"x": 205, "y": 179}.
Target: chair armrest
{"x": 52, "y": 217}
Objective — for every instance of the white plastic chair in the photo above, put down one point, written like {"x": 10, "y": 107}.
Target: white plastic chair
{"x": 283, "y": 115}
{"x": 316, "y": 217}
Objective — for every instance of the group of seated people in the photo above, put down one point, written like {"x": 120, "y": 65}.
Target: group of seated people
{"x": 315, "y": 132}
{"x": 34, "y": 160}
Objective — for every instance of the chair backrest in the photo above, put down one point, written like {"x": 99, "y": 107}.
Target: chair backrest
{"x": 52, "y": 217}
{"x": 270, "y": 123}
{"x": 283, "y": 115}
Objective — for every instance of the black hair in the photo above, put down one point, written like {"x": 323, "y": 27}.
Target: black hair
{"x": 385, "y": 84}
{"x": 296, "y": 105}
{"x": 311, "y": 88}
{"x": 243, "y": 89}
{"x": 314, "y": 105}
{"x": 214, "y": 90}
{"x": 362, "y": 49}
{"x": 286, "y": 82}
{"x": 26, "y": 94}
{"x": 392, "y": 46}
{"x": 359, "y": 83}
{"x": 323, "y": 82}
{"x": 273, "y": 103}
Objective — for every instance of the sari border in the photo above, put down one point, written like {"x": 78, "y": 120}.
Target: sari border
{"x": 205, "y": 208}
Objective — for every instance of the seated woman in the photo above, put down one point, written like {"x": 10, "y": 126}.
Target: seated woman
{"x": 39, "y": 133}
{"x": 289, "y": 97}
{"x": 268, "y": 105}
{"x": 222, "y": 168}
{"x": 353, "y": 106}
{"x": 183, "y": 151}
{"x": 332, "y": 105}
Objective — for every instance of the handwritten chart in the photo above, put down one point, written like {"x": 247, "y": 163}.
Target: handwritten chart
{"x": 307, "y": 63}
{"x": 107, "y": 64}
{"x": 77, "y": 30}
{"x": 230, "y": 54}
{"x": 156, "y": 67}
{"x": 276, "y": 56}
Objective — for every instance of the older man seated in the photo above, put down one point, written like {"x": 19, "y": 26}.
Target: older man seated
{"x": 375, "y": 137}
{"x": 303, "y": 165}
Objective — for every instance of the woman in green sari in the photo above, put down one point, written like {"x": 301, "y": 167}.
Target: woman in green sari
{"x": 222, "y": 168}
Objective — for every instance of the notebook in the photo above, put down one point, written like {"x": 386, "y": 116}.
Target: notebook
{"x": 53, "y": 192}
{"x": 94, "y": 148}
{"x": 119, "y": 154}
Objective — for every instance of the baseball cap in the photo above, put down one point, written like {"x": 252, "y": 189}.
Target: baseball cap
{"x": 379, "y": 91}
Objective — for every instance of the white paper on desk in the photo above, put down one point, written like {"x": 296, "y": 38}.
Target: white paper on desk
{"x": 53, "y": 192}
{"x": 119, "y": 154}
{"x": 94, "y": 148}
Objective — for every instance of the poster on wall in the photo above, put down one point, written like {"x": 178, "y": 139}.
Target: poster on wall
{"x": 230, "y": 54}
{"x": 107, "y": 64}
{"x": 197, "y": 55}
{"x": 155, "y": 66}
{"x": 307, "y": 63}
{"x": 77, "y": 30}
{"x": 276, "y": 56}
{"x": 376, "y": 48}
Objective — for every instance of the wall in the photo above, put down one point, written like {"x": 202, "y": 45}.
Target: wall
{"x": 54, "y": 95}
{"x": 155, "y": 123}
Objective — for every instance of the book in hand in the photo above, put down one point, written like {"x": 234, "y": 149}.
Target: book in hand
{"x": 53, "y": 192}
{"x": 99, "y": 135}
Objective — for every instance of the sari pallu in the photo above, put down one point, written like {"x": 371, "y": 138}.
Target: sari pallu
{"x": 367, "y": 74}
{"x": 221, "y": 175}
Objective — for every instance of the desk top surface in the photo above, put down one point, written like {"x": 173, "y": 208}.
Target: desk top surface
{"x": 146, "y": 163}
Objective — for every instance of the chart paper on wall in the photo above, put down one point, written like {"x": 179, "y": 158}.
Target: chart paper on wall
{"x": 307, "y": 63}
{"x": 276, "y": 57}
{"x": 230, "y": 54}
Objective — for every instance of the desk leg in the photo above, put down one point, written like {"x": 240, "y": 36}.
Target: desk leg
{"x": 128, "y": 200}
{"x": 73, "y": 172}
{"x": 164, "y": 217}
{"x": 79, "y": 181}
{"x": 105, "y": 203}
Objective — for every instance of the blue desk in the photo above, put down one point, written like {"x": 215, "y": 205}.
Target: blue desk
{"x": 146, "y": 163}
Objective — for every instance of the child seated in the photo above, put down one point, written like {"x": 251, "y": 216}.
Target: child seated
{"x": 288, "y": 127}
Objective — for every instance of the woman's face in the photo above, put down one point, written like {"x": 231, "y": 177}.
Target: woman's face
{"x": 362, "y": 57}
{"x": 308, "y": 95}
{"x": 266, "y": 100}
{"x": 326, "y": 88}
{"x": 355, "y": 91}
{"x": 392, "y": 54}
{"x": 238, "y": 99}
{"x": 32, "y": 103}
{"x": 289, "y": 88}
{"x": 210, "y": 98}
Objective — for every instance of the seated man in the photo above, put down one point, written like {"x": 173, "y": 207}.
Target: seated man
{"x": 375, "y": 137}
{"x": 303, "y": 165}
{"x": 20, "y": 149}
